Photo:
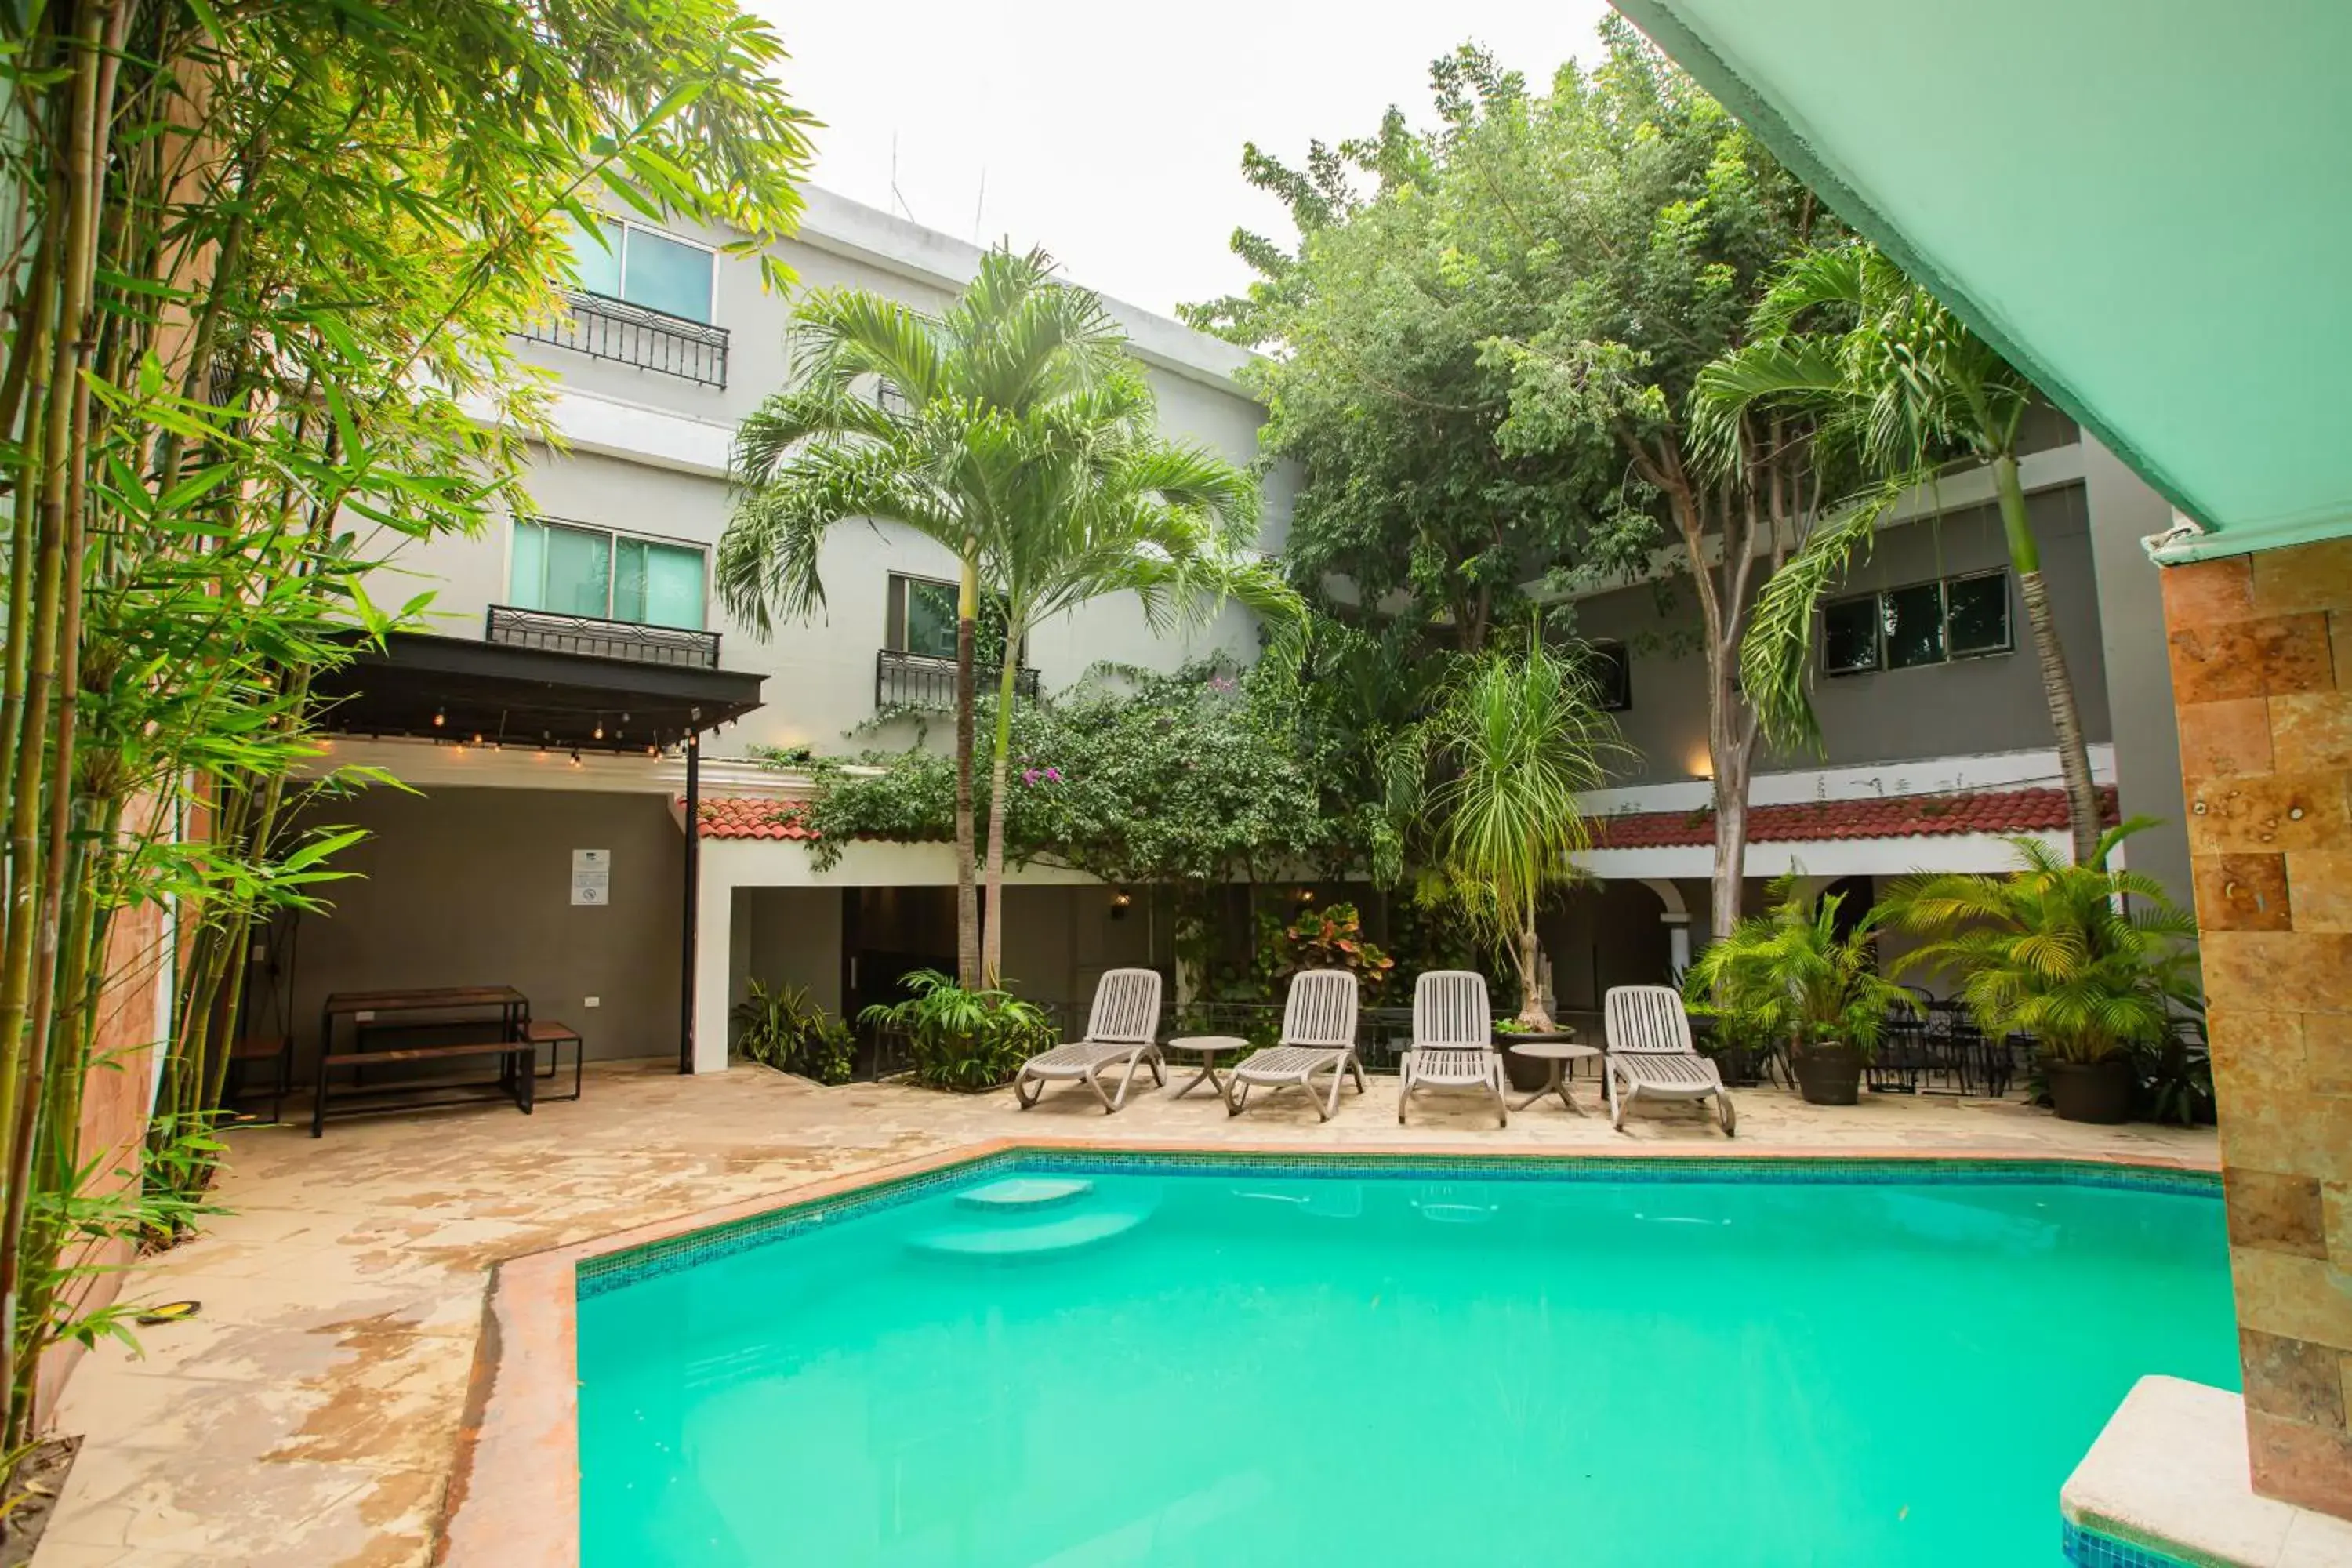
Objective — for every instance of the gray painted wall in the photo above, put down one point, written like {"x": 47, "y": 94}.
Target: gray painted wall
{"x": 2137, "y": 662}
{"x": 472, "y": 887}
{"x": 1967, "y": 706}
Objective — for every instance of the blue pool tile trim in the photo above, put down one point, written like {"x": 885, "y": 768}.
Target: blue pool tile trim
{"x": 612, "y": 1270}
{"x": 2086, "y": 1548}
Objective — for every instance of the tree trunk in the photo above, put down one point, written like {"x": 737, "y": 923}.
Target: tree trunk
{"x": 967, "y": 882}
{"x": 1528, "y": 952}
{"x": 2057, "y": 684}
{"x": 992, "y": 951}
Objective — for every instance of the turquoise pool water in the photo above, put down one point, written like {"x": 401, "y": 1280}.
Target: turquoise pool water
{"x": 1233, "y": 1368}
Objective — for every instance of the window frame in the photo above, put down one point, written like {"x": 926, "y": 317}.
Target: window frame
{"x": 1614, "y": 649}
{"x": 896, "y": 593}
{"x": 613, "y": 537}
{"x": 1877, "y": 597}
{"x": 606, "y": 220}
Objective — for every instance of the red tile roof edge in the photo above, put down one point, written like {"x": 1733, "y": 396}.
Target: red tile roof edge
{"x": 2003, "y": 812}
{"x": 1995, "y": 811}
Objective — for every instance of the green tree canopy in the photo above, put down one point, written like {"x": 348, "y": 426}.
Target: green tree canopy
{"x": 1382, "y": 388}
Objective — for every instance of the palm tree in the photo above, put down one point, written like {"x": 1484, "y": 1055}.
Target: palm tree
{"x": 1515, "y": 738}
{"x": 1096, "y": 503}
{"x": 2090, "y": 962}
{"x": 892, "y": 414}
{"x": 1844, "y": 338}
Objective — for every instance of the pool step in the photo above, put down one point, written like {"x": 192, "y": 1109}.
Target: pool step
{"x": 1025, "y": 1192}
{"x": 1067, "y": 1233}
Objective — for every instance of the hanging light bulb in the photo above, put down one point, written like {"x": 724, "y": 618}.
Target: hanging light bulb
{"x": 439, "y": 718}
{"x": 600, "y": 726}
{"x": 477, "y": 737}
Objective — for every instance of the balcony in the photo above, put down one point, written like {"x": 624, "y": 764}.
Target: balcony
{"x": 920, "y": 680}
{"x": 604, "y": 328}
{"x": 601, "y": 639}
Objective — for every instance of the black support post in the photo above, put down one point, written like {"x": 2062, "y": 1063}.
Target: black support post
{"x": 693, "y": 898}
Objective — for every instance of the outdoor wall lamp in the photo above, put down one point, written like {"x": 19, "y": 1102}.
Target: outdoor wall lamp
{"x": 1120, "y": 900}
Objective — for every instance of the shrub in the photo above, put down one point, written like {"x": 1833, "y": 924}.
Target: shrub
{"x": 963, "y": 1040}
{"x": 785, "y": 1029}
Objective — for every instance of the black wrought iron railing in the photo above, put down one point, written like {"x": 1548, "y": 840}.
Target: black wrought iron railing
{"x": 604, "y": 328}
{"x": 920, "y": 680}
{"x": 518, "y": 627}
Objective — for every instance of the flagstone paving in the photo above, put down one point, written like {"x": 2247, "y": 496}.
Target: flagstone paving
{"x": 309, "y": 1417}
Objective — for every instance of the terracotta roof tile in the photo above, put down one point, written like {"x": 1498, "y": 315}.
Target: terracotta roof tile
{"x": 749, "y": 817}
{"x": 1894, "y": 816}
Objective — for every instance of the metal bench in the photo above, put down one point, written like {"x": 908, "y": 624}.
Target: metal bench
{"x": 517, "y": 1058}
{"x": 555, "y": 1037}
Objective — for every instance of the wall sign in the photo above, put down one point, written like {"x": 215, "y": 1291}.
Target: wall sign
{"x": 592, "y": 876}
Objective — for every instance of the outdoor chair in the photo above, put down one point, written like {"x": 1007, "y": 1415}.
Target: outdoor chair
{"x": 1319, "y": 1035}
{"x": 1121, "y": 1033}
{"x": 1453, "y": 1040}
{"x": 1651, "y": 1054}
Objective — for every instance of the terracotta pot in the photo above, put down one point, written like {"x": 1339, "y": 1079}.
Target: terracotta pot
{"x": 2096, "y": 1092}
{"x": 1828, "y": 1074}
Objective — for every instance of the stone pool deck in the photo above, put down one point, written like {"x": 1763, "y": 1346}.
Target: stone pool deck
{"x": 311, "y": 1417}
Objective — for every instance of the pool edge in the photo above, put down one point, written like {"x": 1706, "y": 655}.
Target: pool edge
{"x": 513, "y": 1499}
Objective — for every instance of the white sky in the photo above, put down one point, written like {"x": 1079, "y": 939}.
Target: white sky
{"x": 1111, "y": 133}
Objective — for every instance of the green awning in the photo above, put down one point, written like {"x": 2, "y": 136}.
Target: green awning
{"x": 2146, "y": 203}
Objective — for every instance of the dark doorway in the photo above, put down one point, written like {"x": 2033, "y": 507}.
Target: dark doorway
{"x": 889, "y": 932}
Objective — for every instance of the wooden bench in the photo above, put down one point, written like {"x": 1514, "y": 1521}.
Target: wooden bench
{"x": 555, "y": 1037}
{"x": 517, "y": 1062}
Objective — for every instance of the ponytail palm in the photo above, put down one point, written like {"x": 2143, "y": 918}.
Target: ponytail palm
{"x": 1891, "y": 375}
{"x": 896, "y": 415}
{"x": 2088, "y": 961}
{"x": 1517, "y": 738}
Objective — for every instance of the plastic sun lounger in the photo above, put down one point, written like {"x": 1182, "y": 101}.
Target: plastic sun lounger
{"x": 1319, "y": 1035}
{"x": 1453, "y": 1040}
{"x": 1651, "y": 1054}
{"x": 1119, "y": 1034}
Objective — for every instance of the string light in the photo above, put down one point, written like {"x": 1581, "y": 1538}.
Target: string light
{"x": 438, "y": 718}
{"x": 600, "y": 726}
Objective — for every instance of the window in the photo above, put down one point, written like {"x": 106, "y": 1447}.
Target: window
{"x": 577, "y": 570}
{"x": 1924, "y": 624}
{"x": 1611, "y": 670}
{"x": 922, "y": 621}
{"x": 645, "y": 267}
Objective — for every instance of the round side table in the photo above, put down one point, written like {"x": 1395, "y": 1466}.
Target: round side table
{"x": 1208, "y": 1046}
{"x": 1555, "y": 1055}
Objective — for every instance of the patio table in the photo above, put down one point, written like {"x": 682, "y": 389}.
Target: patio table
{"x": 500, "y": 1013}
{"x": 1556, "y": 1053}
{"x": 1208, "y": 1046}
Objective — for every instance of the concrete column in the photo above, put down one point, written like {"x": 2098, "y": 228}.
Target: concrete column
{"x": 713, "y": 961}
{"x": 2260, "y": 652}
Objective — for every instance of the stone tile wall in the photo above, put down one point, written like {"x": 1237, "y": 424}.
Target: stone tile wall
{"x": 2261, "y": 676}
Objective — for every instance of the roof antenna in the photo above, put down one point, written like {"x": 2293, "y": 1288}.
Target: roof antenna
{"x": 980, "y": 205}
{"x": 894, "y": 181}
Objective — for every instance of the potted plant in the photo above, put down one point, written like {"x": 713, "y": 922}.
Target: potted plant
{"x": 1790, "y": 974}
{"x": 970, "y": 1040}
{"x": 785, "y": 1029}
{"x": 2086, "y": 959}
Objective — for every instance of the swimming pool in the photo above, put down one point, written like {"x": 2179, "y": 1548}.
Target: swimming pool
{"x": 1097, "y": 1361}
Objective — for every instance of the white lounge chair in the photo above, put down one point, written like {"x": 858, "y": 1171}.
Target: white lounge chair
{"x": 1121, "y": 1033}
{"x": 1453, "y": 1040}
{"x": 1319, "y": 1035}
{"x": 1651, "y": 1054}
